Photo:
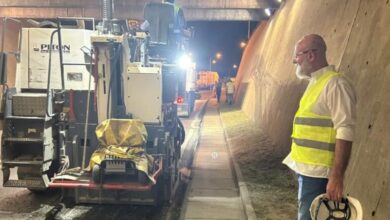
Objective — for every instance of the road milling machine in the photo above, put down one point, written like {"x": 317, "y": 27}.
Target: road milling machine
{"x": 108, "y": 98}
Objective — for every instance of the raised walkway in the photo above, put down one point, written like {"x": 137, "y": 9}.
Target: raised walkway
{"x": 213, "y": 192}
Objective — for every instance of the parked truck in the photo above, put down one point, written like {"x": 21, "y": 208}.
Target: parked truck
{"x": 206, "y": 79}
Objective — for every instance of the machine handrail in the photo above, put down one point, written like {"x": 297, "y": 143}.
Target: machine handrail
{"x": 60, "y": 54}
{"x": 17, "y": 52}
{"x": 58, "y": 31}
{"x": 49, "y": 75}
{"x": 60, "y": 43}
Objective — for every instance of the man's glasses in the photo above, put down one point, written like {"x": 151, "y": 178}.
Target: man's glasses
{"x": 304, "y": 52}
{"x": 295, "y": 57}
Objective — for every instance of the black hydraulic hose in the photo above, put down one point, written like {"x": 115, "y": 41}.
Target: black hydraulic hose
{"x": 113, "y": 74}
{"x": 182, "y": 132}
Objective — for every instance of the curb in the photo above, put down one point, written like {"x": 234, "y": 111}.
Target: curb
{"x": 244, "y": 192}
{"x": 187, "y": 190}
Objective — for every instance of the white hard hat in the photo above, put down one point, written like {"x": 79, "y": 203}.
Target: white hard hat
{"x": 348, "y": 209}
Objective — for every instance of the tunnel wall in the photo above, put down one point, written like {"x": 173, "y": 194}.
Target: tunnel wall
{"x": 358, "y": 37}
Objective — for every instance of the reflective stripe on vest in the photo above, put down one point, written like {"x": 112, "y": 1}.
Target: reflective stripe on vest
{"x": 314, "y": 144}
{"x": 313, "y": 135}
{"x": 321, "y": 122}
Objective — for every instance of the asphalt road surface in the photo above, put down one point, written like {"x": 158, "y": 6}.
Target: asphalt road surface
{"x": 20, "y": 203}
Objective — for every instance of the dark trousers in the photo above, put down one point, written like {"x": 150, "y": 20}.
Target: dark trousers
{"x": 218, "y": 95}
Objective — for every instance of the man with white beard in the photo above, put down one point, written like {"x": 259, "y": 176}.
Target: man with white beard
{"x": 323, "y": 127}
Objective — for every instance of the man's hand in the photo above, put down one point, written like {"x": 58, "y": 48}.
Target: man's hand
{"x": 334, "y": 189}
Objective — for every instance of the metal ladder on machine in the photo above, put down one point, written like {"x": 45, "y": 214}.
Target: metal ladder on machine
{"x": 23, "y": 142}
{"x": 34, "y": 135}
{"x": 27, "y": 140}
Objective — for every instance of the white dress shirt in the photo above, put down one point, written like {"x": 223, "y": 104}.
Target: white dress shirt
{"x": 337, "y": 99}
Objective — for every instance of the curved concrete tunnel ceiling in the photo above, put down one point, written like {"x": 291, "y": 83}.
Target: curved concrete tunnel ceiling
{"x": 196, "y": 10}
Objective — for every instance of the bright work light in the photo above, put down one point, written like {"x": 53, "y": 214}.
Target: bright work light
{"x": 185, "y": 61}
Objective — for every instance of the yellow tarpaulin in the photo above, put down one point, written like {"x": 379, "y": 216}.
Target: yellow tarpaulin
{"x": 121, "y": 132}
{"x": 124, "y": 139}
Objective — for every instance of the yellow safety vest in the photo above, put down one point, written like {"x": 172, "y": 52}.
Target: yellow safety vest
{"x": 313, "y": 136}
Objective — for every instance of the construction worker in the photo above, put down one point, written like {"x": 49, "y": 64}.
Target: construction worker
{"x": 323, "y": 127}
{"x": 229, "y": 91}
{"x": 218, "y": 89}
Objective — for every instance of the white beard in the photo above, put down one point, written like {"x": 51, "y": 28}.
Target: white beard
{"x": 300, "y": 74}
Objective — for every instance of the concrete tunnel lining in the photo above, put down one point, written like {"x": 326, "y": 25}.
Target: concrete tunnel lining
{"x": 359, "y": 46}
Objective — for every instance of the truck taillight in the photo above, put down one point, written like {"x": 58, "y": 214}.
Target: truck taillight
{"x": 179, "y": 100}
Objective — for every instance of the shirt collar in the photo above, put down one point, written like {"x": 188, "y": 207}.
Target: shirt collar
{"x": 317, "y": 74}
